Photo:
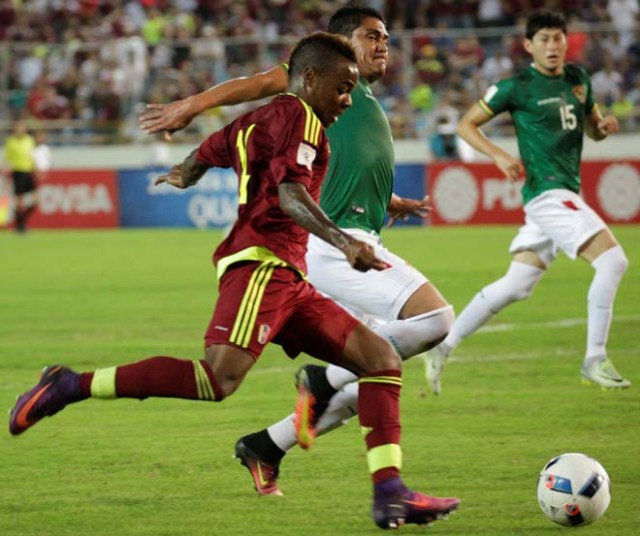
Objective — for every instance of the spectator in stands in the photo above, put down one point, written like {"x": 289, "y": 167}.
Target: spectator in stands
{"x": 607, "y": 83}
{"x": 496, "y": 67}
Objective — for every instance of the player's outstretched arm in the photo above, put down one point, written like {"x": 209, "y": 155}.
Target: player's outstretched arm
{"x": 178, "y": 114}
{"x": 469, "y": 130}
{"x": 296, "y": 202}
{"x": 185, "y": 174}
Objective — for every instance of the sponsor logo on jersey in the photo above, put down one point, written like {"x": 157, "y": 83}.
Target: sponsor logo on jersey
{"x": 580, "y": 92}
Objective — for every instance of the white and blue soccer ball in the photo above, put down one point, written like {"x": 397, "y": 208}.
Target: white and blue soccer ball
{"x": 573, "y": 490}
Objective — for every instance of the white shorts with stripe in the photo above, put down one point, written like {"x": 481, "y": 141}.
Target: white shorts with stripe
{"x": 379, "y": 294}
{"x": 556, "y": 219}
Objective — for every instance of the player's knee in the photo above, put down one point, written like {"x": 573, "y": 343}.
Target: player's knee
{"x": 435, "y": 326}
{"x": 521, "y": 291}
{"x": 613, "y": 261}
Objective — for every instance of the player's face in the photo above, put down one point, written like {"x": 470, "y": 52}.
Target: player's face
{"x": 548, "y": 48}
{"x": 370, "y": 41}
{"x": 330, "y": 95}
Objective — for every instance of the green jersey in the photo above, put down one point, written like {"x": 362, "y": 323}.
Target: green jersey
{"x": 358, "y": 185}
{"x": 548, "y": 113}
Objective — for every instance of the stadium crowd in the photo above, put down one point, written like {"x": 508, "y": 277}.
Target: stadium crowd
{"x": 81, "y": 67}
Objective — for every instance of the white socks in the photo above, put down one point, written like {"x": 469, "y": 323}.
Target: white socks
{"x": 610, "y": 266}
{"x": 342, "y": 406}
{"x": 412, "y": 336}
{"x": 516, "y": 284}
{"x": 409, "y": 337}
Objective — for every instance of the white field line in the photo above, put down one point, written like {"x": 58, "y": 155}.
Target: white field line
{"x": 551, "y": 324}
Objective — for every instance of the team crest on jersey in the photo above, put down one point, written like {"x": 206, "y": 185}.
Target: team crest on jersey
{"x": 263, "y": 333}
{"x": 580, "y": 92}
{"x": 306, "y": 155}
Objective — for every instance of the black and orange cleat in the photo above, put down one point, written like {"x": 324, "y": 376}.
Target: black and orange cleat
{"x": 57, "y": 387}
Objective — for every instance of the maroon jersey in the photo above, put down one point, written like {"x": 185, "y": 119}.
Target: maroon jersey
{"x": 282, "y": 141}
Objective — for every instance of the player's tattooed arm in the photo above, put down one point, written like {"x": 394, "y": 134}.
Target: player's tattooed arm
{"x": 186, "y": 174}
{"x": 296, "y": 202}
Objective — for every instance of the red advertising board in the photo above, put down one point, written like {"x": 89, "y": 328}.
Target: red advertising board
{"x": 479, "y": 194}
{"x": 78, "y": 198}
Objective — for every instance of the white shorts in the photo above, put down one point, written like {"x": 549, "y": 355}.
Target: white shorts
{"x": 556, "y": 219}
{"x": 380, "y": 294}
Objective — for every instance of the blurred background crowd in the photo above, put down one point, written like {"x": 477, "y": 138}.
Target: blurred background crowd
{"x": 83, "y": 69}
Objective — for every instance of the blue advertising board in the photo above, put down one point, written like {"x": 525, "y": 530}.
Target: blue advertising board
{"x": 410, "y": 182}
{"x": 210, "y": 203}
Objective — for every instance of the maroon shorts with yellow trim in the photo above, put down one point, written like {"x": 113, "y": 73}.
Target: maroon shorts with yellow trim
{"x": 261, "y": 303}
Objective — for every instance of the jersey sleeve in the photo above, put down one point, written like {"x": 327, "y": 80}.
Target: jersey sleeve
{"x": 498, "y": 98}
{"x": 214, "y": 150}
{"x": 296, "y": 144}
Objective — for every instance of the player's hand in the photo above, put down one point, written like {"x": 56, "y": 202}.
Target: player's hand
{"x": 362, "y": 257}
{"x": 174, "y": 178}
{"x": 166, "y": 117}
{"x": 400, "y": 208}
{"x": 608, "y": 125}
{"x": 510, "y": 166}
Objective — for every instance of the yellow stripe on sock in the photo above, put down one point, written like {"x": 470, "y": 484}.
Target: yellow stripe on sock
{"x": 103, "y": 383}
{"x": 393, "y": 380}
{"x": 205, "y": 390}
{"x": 384, "y": 456}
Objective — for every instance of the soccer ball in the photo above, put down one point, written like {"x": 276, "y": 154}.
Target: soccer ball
{"x": 573, "y": 490}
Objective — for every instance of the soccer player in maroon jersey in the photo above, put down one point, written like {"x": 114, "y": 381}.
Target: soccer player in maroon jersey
{"x": 280, "y": 154}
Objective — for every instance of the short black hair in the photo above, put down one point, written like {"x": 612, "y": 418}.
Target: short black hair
{"x": 349, "y": 18}
{"x": 545, "y": 18}
{"x": 320, "y": 50}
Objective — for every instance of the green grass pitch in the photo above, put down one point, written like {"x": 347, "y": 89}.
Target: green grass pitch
{"x": 511, "y": 398}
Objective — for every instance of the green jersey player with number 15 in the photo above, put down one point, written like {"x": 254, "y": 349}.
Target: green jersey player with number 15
{"x": 552, "y": 105}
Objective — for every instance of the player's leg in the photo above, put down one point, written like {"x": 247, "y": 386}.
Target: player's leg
{"x": 266, "y": 449}
{"x": 576, "y": 229}
{"x": 415, "y": 315}
{"x": 378, "y": 368}
{"x": 31, "y": 207}
{"x": 227, "y": 359}
{"x": 158, "y": 376}
{"x": 610, "y": 263}
{"x": 379, "y": 414}
{"x": 518, "y": 283}
{"x": 19, "y": 192}
{"x": 395, "y": 295}
{"x": 532, "y": 252}
{"x": 24, "y": 187}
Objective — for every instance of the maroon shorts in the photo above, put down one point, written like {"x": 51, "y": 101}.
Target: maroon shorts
{"x": 260, "y": 303}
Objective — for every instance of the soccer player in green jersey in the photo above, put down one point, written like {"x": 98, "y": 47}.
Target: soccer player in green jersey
{"x": 552, "y": 105}
{"x": 399, "y": 302}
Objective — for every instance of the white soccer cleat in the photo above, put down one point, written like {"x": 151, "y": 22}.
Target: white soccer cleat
{"x": 604, "y": 374}
{"x": 434, "y": 362}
